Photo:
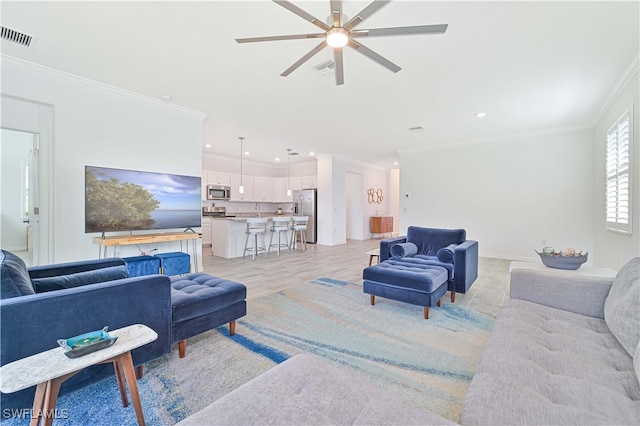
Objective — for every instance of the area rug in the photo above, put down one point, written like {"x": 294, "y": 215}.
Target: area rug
{"x": 429, "y": 362}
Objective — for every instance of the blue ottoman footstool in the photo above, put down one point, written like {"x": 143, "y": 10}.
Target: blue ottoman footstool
{"x": 201, "y": 302}
{"x": 409, "y": 282}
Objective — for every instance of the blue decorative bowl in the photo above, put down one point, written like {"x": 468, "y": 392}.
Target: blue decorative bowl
{"x": 563, "y": 262}
{"x": 87, "y": 343}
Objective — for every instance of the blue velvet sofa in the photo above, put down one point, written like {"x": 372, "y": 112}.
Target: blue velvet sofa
{"x": 42, "y": 304}
{"x": 448, "y": 248}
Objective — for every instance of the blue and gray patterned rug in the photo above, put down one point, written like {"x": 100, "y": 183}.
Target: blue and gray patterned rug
{"x": 430, "y": 362}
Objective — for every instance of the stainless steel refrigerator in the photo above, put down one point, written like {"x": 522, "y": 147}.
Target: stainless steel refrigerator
{"x": 305, "y": 203}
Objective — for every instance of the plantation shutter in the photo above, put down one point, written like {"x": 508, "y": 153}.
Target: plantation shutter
{"x": 618, "y": 168}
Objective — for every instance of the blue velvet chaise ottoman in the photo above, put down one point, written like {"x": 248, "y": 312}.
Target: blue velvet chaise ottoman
{"x": 201, "y": 302}
{"x": 406, "y": 280}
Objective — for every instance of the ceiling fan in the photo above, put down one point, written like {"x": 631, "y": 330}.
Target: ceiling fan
{"x": 338, "y": 34}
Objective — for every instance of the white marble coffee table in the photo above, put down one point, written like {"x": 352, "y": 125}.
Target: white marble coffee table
{"x": 48, "y": 370}
{"x": 372, "y": 254}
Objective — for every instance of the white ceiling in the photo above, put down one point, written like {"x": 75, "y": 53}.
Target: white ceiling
{"x": 532, "y": 66}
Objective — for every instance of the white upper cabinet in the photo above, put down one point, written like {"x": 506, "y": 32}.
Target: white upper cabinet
{"x": 308, "y": 182}
{"x": 263, "y": 189}
{"x": 217, "y": 178}
{"x": 247, "y": 182}
{"x": 280, "y": 190}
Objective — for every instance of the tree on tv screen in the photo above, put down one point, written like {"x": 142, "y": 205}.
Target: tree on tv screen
{"x": 111, "y": 205}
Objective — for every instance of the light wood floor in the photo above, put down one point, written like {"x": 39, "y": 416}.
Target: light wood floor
{"x": 273, "y": 273}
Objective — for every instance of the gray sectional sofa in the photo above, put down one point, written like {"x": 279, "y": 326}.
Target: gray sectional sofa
{"x": 565, "y": 349}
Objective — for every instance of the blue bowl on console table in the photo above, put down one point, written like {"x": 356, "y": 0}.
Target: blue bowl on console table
{"x": 563, "y": 262}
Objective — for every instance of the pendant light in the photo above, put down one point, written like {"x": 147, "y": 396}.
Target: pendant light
{"x": 241, "y": 188}
{"x": 289, "y": 172}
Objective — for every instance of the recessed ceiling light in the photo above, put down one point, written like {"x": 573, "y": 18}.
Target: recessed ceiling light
{"x": 480, "y": 114}
{"x": 166, "y": 98}
{"x": 247, "y": 153}
{"x": 395, "y": 163}
{"x": 208, "y": 145}
{"x": 277, "y": 159}
{"x": 312, "y": 153}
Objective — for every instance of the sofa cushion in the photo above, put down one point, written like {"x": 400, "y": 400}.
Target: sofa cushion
{"x": 622, "y": 306}
{"x": 60, "y": 282}
{"x": 404, "y": 249}
{"x": 430, "y": 240}
{"x": 308, "y": 390}
{"x": 547, "y": 366}
{"x": 15, "y": 278}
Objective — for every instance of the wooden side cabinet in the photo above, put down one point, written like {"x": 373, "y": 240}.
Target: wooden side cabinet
{"x": 381, "y": 225}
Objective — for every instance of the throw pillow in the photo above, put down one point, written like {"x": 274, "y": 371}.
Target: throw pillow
{"x": 622, "y": 306}
{"x": 445, "y": 254}
{"x": 404, "y": 250}
{"x": 15, "y": 278}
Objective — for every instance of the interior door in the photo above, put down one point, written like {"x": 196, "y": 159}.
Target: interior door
{"x": 33, "y": 219}
{"x": 19, "y": 228}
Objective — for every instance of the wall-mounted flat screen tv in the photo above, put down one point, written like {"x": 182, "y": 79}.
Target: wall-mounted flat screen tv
{"x": 129, "y": 200}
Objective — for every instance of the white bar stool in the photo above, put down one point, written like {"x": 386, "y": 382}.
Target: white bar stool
{"x": 279, "y": 225}
{"x": 299, "y": 225}
{"x": 255, "y": 226}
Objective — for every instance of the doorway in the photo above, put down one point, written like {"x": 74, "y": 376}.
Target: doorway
{"x": 355, "y": 209}
{"x": 19, "y": 216}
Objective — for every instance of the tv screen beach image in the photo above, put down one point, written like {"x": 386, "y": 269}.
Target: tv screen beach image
{"x": 128, "y": 200}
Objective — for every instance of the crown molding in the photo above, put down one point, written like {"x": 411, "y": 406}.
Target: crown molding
{"x": 618, "y": 88}
{"x": 44, "y": 71}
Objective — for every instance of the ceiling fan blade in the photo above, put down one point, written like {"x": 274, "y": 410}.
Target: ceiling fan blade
{"x": 365, "y": 13}
{"x": 418, "y": 29}
{"x": 337, "y": 58}
{"x": 301, "y": 13}
{"x": 336, "y": 12}
{"x": 282, "y": 37}
{"x": 374, "y": 56}
{"x": 304, "y": 59}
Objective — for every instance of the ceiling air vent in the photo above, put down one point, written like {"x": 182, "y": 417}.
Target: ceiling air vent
{"x": 416, "y": 128}
{"x": 326, "y": 67}
{"x": 16, "y": 37}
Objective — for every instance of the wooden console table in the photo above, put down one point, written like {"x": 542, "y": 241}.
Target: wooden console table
{"x": 381, "y": 225}
{"x": 128, "y": 240}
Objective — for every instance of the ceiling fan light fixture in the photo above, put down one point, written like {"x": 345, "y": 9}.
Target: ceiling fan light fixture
{"x": 337, "y": 37}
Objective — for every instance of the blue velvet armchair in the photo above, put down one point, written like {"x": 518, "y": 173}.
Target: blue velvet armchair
{"x": 42, "y": 304}
{"x": 448, "y": 248}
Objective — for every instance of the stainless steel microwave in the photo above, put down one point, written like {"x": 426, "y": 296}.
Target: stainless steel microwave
{"x": 218, "y": 192}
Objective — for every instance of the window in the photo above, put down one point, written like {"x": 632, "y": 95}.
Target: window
{"x": 618, "y": 169}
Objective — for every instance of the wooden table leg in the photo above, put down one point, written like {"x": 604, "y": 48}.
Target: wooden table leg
{"x": 130, "y": 375}
{"x": 38, "y": 403}
{"x": 121, "y": 386}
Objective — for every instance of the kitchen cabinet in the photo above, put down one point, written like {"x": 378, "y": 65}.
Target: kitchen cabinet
{"x": 206, "y": 231}
{"x": 217, "y": 178}
{"x": 296, "y": 183}
{"x": 247, "y": 182}
{"x": 280, "y": 190}
{"x": 308, "y": 182}
{"x": 263, "y": 189}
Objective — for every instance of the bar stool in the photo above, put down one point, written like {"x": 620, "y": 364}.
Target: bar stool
{"x": 255, "y": 226}
{"x": 299, "y": 225}
{"x": 279, "y": 225}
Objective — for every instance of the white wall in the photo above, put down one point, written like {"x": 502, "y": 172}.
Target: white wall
{"x": 332, "y": 197}
{"x": 512, "y": 195}
{"x": 100, "y": 125}
{"x": 614, "y": 249}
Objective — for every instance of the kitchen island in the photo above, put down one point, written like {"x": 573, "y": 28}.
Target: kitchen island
{"x": 229, "y": 235}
